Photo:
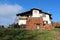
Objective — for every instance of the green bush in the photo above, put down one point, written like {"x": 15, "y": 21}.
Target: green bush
{"x": 23, "y": 34}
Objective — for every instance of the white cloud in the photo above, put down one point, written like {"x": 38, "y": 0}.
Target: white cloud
{"x": 9, "y": 9}
{"x": 8, "y": 13}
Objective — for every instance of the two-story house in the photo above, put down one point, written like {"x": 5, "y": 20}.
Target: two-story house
{"x": 35, "y": 19}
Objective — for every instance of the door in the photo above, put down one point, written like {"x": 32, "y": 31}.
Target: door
{"x": 38, "y": 26}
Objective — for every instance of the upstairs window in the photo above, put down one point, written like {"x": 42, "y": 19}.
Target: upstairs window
{"x": 44, "y": 15}
{"x": 35, "y": 11}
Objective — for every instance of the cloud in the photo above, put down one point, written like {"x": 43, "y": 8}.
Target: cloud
{"x": 8, "y": 13}
{"x": 3, "y": 21}
{"x": 6, "y": 9}
{"x": 7, "y": 21}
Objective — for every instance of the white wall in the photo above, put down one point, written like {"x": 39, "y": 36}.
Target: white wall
{"x": 21, "y": 22}
{"x": 41, "y": 14}
{"x": 47, "y": 18}
{"x": 35, "y": 13}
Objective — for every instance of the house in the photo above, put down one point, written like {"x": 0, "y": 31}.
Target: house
{"x": 35, "y": 19}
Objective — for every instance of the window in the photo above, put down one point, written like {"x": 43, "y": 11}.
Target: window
{"x": 35, "y": 11}
{"x": 45, "y": 22}
{"x": 38, "y": 26}
{"x": 27, "y": 15}
{"x": 44, "y": 15}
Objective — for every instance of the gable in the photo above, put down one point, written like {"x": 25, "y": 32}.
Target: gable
{"x": 35, "y": 12}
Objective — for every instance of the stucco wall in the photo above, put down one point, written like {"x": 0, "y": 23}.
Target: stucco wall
{"x": 21, "y": 22}
{"x": 35, "y": 13}
{"x": 47, "y": 18}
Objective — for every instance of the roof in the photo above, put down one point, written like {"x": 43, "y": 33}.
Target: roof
{"x": 36, "y": 9}
{"x": 47, "y": 13}
{"x": 23, "y": 13}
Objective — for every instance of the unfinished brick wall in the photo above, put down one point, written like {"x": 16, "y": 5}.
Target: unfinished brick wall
{"x": 48, "y": 26}
{"x": 31, "y": 23}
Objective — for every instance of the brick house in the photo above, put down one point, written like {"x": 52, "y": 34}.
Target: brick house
{"x": 35, "y": 19}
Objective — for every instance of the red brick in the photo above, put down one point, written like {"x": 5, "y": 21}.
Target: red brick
{"x": 31, "y": 23}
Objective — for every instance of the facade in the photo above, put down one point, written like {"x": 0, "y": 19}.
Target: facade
{"x": 35, "y": 19}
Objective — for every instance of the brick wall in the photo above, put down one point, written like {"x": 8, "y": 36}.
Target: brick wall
{"x": 48, "y": 26}
{"x": 31, "y": 23}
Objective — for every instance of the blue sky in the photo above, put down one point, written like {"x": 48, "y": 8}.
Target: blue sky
{"x": 9, "y": 8}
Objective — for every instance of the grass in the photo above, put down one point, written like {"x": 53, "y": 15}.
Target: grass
{"x": 22, "y": 34}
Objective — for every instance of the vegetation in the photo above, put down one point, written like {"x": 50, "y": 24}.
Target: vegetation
{"x": 56, "y": 24}
{"x": 23, "y": 34}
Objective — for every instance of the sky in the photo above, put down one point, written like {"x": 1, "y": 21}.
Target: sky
{"x": 9, "y": 9}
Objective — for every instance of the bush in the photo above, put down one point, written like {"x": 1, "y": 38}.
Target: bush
{"x": 23, "y": 34}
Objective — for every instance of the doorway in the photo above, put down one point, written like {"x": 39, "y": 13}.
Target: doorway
{"x": 38, "y": 26}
